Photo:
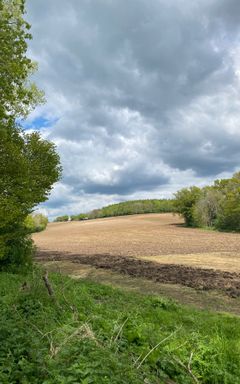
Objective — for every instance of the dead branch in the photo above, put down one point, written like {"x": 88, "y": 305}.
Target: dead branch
{"x": 120, "y": 330}
{"x": 156, "y": 346}
{"x": 83, "y": 331}
{"x": 48, "y": 284}
{"x": 187, "y": 367}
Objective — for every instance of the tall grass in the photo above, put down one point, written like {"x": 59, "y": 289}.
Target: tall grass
{"x": 89, "y": 333}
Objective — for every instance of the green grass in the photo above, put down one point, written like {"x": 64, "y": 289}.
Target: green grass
{"x": 91, "y": 333}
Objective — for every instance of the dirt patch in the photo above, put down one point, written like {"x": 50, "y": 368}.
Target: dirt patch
{"x": 198, "y": 278}
{"x": 211, "y": 300}
{"x": 160, "y": 237}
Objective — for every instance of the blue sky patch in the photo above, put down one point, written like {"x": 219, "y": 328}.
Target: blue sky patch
{"x": 38, "y": 123}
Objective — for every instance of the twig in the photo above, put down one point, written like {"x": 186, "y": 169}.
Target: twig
{"x": 189, "y": 361}
{"x": 56, "y": 350}
{"x": 139, "y": 357}
{"x": 188, "y": 367}
{"x": 120, "y": 329}
{"x": 180, "y": 346}
{"x": 156, "y": 346}
{"x": 48, "y": 284}
{"x": 77, "y": 332}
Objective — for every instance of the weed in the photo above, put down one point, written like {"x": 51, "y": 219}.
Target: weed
{"x": 91, "y": 333}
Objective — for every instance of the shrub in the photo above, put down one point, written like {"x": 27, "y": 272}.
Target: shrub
{"x": 36, "y": 223}
{"x": 207, "y": 208}
{"x": 16, "y": 249}
{"x": 185, "y": 201}
{"x": 61, "y": 218}
{"x": 229, "y": 217}
{"x": 91, "y": 333}
{"x": 81, "y": 216}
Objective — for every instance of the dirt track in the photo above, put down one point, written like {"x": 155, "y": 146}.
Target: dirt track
{"x": 156, "y": 247}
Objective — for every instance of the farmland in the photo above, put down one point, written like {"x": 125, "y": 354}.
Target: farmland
{"x": 154, "y": 247}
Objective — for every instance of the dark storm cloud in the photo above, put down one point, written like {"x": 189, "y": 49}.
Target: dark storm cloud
{"x": 142, "y": 89}
{"x": 123, "y": 181}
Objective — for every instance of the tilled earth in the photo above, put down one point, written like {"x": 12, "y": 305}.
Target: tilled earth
{"x": 155, "y": 246}
{"x": 198, "y": 278}
{"x": 137, "y": 236}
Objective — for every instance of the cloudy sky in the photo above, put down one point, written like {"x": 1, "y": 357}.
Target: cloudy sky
{"x": 143, "y": 96}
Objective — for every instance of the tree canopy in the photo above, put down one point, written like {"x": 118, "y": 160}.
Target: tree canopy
{"x": 29, "y": 165}
{"x": 216, "y": 206}
{"x": 18, "y": 95}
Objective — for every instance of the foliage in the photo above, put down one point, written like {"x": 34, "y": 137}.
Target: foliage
{"x": 29, "y": 165}
{"x": 62, "y": 218}
{"x": 126, "y": 208}
{"x": 216, "y": 206}
{"x": 36, "y": 222}
{"x": 90, "y": 333}
{"x": 17, "y": 249}
{"x": 135, "y": 207}
{"x": 229, "y": 216}
{"x": 185, "y": 200}
{"x": 207, "y": 208}
{"x": 18, "y": 95}
{"x": 81, "y": 216}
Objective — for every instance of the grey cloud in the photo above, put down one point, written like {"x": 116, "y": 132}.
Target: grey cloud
{"x": 227, "y": 12}
{"x": 154, "y": 55}
{"x": 125, "y": 182}
{"x": 140, "y": 82}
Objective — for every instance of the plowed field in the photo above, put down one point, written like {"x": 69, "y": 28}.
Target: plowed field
{"x": 154, "y": 246}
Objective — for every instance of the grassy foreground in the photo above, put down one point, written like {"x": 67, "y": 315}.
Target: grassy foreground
{"x": 90, "y": 333}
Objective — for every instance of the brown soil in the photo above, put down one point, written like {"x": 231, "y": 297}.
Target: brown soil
{"x": 156, "y": 247}
{"x": 199, "y": 278}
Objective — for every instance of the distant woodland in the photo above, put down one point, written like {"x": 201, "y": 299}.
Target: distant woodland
{"x": 125, "y": 208}
{"x": 216, "y": 206}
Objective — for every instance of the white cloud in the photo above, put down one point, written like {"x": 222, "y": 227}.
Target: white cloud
{"x": 145, "y": 95}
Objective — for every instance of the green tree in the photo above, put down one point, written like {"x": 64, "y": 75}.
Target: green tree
{"x": 29, "y": 165}
{"x": 185, "y": 201}
{"x": 61, "y": 218}
{"x": 229, "y": 215}
{"x": 208, "y": 207}
{"x": 216, "y": 206}
{"x": 18, "y": 95}
{"x": 36, "y": 222}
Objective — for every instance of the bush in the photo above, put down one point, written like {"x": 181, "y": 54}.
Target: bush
{"x": 185, "y": 201}
{"x": 16, "y": 249}
{"x": 207, "y": 208}
{"x": 61, "y": 218}
{"x": 36, "y": 223}
{"x": 90, "y": 333}
{"x": 81, "y": 216}
{"x": 217, "y": 206}
{"x": 229, "y": 217}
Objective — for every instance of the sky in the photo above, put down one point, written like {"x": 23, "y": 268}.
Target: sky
{"x": 143, "y": 96}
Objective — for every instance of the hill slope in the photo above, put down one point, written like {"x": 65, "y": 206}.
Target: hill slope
{"x": 89, "y": 333}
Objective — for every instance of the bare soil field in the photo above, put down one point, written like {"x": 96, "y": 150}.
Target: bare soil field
{"x": 155, "y": 246}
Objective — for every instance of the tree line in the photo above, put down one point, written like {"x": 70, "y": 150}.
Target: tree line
{"x": 216, "y": 206}
{"x": 131, "y": 207}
